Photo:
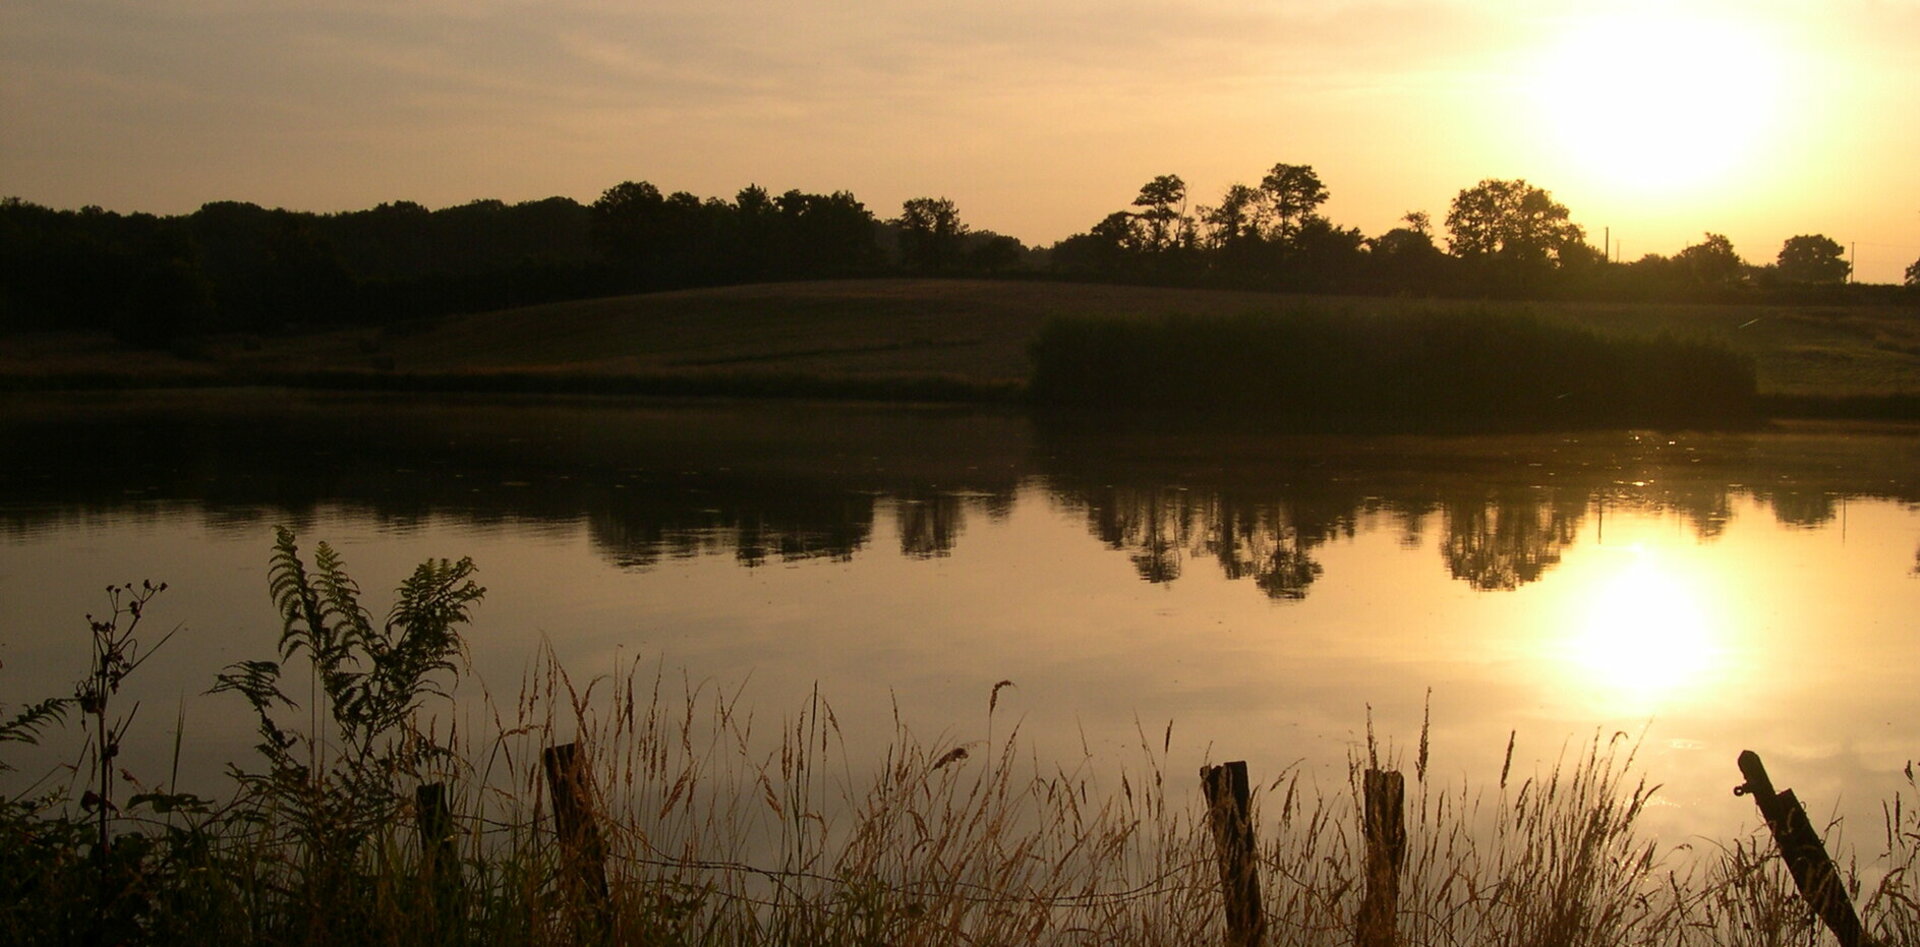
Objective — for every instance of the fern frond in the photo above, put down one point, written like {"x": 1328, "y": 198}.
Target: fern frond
{"x": 340, "y": 599}
{"x": 26, "y": 725}
{"x": 293, "y": 596}
{"x": 435, "y": 599}
{"x": 257, "y": 681}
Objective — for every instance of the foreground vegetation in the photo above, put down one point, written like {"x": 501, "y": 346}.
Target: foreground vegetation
{"x": 709, "y": 829}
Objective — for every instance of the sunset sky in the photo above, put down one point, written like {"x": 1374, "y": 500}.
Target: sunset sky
{"x": 1760, "y": 119}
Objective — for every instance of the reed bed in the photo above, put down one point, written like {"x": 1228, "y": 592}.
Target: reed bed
{"x": 716, "y": 825}
{"x": 1426, "y": 366}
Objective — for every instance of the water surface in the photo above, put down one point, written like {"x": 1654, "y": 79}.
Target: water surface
{"x": 1260, "y": 594}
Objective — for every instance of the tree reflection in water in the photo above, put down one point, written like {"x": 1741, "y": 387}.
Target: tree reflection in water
{"x": 764, "y": 484}
{"x": 929, "y": 523}
{"x": 1506, "y": 542}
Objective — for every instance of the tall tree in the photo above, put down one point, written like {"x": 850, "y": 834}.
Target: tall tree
{"x": 1296, "y": 193}
{"x": 1712, "y": 262}
{"x": 1237, "y": 219}
{"x": 1512, "y": 221}
{"x": 628, "y": 224}
{"x": 826, "y": 234}
{"x": 931, "y": 234}
{"x": 1813, "y": 258}
{"x": 1404, "y": 259}
{"x": 1165, "y": 215}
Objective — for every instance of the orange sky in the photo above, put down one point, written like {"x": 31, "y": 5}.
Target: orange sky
{"x": 1760, "y": 120}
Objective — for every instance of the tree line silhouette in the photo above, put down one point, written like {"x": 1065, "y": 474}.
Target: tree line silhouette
{"x": 238, "y": 267}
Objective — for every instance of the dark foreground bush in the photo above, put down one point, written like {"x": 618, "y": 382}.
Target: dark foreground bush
{"x": 1412, "y": 368}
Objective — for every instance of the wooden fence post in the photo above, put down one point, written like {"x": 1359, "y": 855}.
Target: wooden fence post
{"x": 1386, "y": 832}
{"x": 1801, "y": 848}
{"x": 1229, "y": 812}
{"x": 581, "y": 846}
{"x": 435, "y": 822}
{"x": 439, "y": 864}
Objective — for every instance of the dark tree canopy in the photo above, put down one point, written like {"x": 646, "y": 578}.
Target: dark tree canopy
{"x": 1238, "y": 219}
{"x": 1712, "y": 262}
{"x": 1163, "y": 203}
{"x": 932, "y": 237}
{"x": 1513, "y": 221}
{"x": 1296, "y": 193}
{"x": 1813, "y": 259}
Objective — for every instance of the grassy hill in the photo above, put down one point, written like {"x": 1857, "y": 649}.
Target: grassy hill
{"x": 856, "y": 336}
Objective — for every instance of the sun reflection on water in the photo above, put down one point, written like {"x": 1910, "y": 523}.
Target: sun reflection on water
{"x": 1644, "y": 630}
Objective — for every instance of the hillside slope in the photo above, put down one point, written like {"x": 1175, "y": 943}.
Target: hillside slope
{"x": 970, "y": 331}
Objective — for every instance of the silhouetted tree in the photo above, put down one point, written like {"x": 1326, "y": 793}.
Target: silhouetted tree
{"x": 70, "y": 269}
{"x": 1296, "y": 193}
{"x": 753, "y": 236}
{"x": 1235, "y": 232}
{"x": 1913, "y": 274}
{"x": 1110, "y": 248}
{"x": 1813, "y": 259}
{"x": 1237, "y": 220}
{"x": 303, "y": 279}
{"x": 629, "y": 227}
{"x": 1512, "y": 236}
{"x": 1511, "y": 220}
{"x": 996, "y": 253}
{"x": 1323, "y": 257}
{"x": 1164, "y": 203}
{"x": 1405, "y": 259}
{"x": 1712, "y": 262}
{"x": 931, "y": 233}
{"x": 825, "y": 235}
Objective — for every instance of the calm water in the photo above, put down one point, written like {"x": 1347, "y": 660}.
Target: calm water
{"x": 1705, "y": 593}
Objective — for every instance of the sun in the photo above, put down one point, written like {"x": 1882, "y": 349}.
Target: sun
{"x": 1652, "y": 100}
{"x": 1643, "y": 630}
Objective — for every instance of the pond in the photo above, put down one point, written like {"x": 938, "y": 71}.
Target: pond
{"x": 1211, "y": 595}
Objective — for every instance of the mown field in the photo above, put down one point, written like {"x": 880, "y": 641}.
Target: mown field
{"x": 964, "y": 337}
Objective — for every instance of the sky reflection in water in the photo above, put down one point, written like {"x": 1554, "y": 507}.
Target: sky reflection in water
{"x": 1703, "y": 594}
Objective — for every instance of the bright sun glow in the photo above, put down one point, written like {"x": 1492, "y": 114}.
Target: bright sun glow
{"x": 1644, "y": 630}
{"x": 1651, "y": 101}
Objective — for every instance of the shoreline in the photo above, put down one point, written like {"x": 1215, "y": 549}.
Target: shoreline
{"x": 903, "y": 390}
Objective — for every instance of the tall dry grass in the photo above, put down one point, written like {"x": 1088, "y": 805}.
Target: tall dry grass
{"x": 726, "y": 826}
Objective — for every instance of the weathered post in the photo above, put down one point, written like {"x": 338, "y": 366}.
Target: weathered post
{"x": 1800, "y": 847}
{"x": 1386, "y": 832}
{"x": 1229, "y": 812}
{"x": 581, "y": 846}
{"x": 439, "y": 866}
{"x": 435, "y": 822}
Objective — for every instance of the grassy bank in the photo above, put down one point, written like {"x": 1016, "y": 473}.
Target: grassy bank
{"x": 966, "y": 340}
{"x": 712, "y": 825}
